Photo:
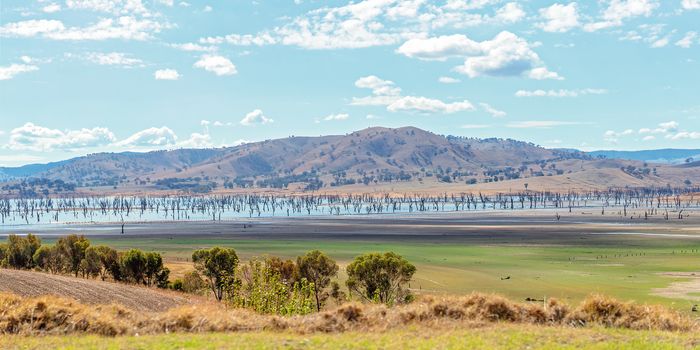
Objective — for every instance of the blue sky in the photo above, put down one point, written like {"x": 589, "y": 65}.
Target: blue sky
{"x": 84, "y": 76}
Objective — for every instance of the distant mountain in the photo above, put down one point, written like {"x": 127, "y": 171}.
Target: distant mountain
{"x": 370, "y": 156}
{"x": 667, "y": 155}
{"x": 28, "y": 170}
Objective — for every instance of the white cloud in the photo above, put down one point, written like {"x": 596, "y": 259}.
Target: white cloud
{"x": 492, "y": 111}
{"x": 125, "y": 28}
{"x": 694, "y": 135}
{"x": 9, "y": 72}
{"x": 440, "y": 48}
{"x": 193, "y": 47}
{"x": 669, "y": 130}
{"x": 207, "y": 8}
{"x": 115, "y": 7}
{"x": 687, "y": 40}
{"x": 340, "y": 116}
{"x": 539, "y": 124}
{"x": 384, "y": 92}
{"x": 690, "y": 4}
{"x": 559, "y": 18}
{"x": 151, "y": 137}
{"x": 619, "y": 10}
{"x": 448, "y": 80}
{"x": 38, "y": 138}
{"x": 256, "y": 117}
{"x": 218, "y": 65}
{"x": 428, "y": 105}
{"x": 559, "y": 93}
{"x": 113, "y": 59}
{"x": 504, "y": 55}
{"x": 197, "y": 140}
{"x": 51, "y": 8}
{"x": 475, "y": 126}
{"x": 166, "y": 74}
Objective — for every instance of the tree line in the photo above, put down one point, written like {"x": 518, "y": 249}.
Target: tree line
{"x": 271, "y": 285}
{"x": 75, "y": 255}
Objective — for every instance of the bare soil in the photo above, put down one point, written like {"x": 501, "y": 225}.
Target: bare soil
{"x": 87, "y": 291}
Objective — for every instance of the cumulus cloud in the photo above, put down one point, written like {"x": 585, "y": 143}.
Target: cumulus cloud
{"x": 669, "y": 130}
{"x": 151, "y": 137}
{"x": 687, "y": 41}
{"x": 51, "y": 8}
{"x": 166, "y": 74}
{"x": 9, "y": 72}
{"x": 618, "y": 11}
{"x": 690, "y": 4}
{"x": 559, "y": 93}
{"x": 559, "y": 18}
{"x": 504, "y": 55}
{"x": 386, "y": 93}
{"x": 115, "y": 7}
{"x": 448, "y": 80}
{"x": 113, "y": 59}
{"x": 256, "y": 117}
{"x": 492, "y": 111}
{"x": 197, "y": 140}
{"x": 193, "y": 47}
{"x": 428, "y": 105}
{"x": 124, "y": 27}
{"x": 216, "y": 64}
{"x": 38, "y": 138}
{"x": 339, "y": 116}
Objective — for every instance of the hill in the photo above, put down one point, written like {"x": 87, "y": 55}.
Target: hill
{"x": 369, "y": 157}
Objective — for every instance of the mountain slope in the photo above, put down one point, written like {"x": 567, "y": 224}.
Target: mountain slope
{"x": 370, "y": 156}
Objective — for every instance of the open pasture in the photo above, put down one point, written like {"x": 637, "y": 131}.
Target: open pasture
{"x": 522, "y": 255}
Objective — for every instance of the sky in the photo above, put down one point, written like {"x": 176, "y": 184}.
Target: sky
{"x": 86, "y": 76}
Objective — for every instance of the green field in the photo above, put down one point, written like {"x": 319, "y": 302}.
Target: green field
{"x": 493, "y": 337}
{"x": 626, "y": 268}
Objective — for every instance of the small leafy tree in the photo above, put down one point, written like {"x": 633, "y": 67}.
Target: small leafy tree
{"x": 109, "y": 262}
{"x": 380, "y": 277}
{"x": 91, "y": 265}
{"x": 20, "y": 251}
{"x": 153, "y": 267}
{"x": 73, "y": 248}
{"x": 287, "y": 269}
{"x": 133, "y": 265}
{"x": 318, "y": 269}
{"x": 218, "y": 266}
{"x": 49, "y": 258}
{"x": 3, "y": 254}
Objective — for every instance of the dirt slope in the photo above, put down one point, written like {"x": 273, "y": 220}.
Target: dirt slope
{"x": 27, "y": 283}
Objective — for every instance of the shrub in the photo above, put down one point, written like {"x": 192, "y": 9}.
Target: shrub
{"x": 20, "y": 251}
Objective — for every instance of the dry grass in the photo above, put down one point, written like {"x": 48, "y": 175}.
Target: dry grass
{"x": 58, "y": 316}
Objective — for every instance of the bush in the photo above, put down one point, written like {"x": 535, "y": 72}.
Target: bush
{"x": 318, "y": 269}
{"x": 19, "y": 252}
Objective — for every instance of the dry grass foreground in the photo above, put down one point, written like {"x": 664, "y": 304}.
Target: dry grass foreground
{"x": 49, "y": 315}
{"x": 33, "y": 284}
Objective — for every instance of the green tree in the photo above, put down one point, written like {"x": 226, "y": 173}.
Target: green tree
{"x": 218, "y": 266}
{"x": 154, "y": 265}
{"x": 287, "y": 269}
{"x": 133, "y": 265}
{"x": 73, "y": 248}
{"x": 48, "y": 258}
{"x": 318, "y": 268}
{"x": 3, "y": 254}
{"x": 20, "y": 251}
{"x": 109, "y": 262}
{"x": 91, "y": 265}
{"x": 380, "y": 277}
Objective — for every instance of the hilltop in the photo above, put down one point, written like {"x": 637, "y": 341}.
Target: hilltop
{"x": 370, "y": 157}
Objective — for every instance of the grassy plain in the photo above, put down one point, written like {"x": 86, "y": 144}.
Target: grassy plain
{"x": 501, "y": 336}
{"x": 629, "y": 271}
